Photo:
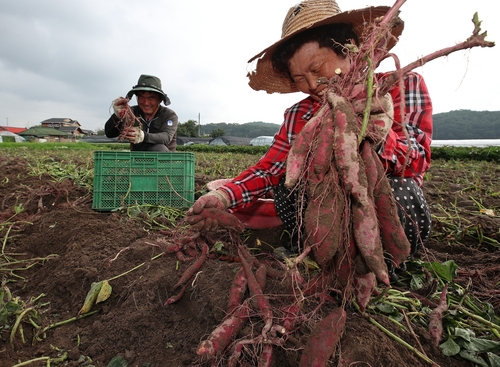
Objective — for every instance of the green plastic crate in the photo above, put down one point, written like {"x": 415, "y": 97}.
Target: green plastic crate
{"x": 127, "y": 178}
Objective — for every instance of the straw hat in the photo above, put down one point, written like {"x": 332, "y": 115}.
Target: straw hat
{"x": 305, "y": 15}
{"x": 149, "y": 83}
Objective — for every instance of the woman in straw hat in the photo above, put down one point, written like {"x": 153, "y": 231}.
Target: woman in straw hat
{"x": 311, "y": 49}
{"x": 156, "y": 126}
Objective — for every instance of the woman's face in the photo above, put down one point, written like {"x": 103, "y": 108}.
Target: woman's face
{"x": 311, "y": 62}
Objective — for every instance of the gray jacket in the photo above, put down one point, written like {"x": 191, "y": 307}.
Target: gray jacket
{"x": 162, "y": 129}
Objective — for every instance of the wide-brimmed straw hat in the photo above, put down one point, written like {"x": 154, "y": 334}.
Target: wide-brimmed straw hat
{"x": 149, "y": 83}
{"x": 305, "y": 15}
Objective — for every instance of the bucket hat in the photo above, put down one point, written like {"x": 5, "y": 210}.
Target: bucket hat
{"x": 305, "y": 15}
{"x": 149, "y": 83}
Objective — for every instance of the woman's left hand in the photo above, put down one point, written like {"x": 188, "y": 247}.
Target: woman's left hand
{"x": 381, "y": 117}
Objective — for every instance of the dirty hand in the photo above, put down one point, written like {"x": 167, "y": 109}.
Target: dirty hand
{"x": 214, "y": 199}
{"x": 133, "y": 134}
{"x": 119, "y": 106}
{"x": 381, "y": 117}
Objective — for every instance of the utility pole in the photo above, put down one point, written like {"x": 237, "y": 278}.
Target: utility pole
{"x": 7, "y": 121}
{"x": 199, "y": 125}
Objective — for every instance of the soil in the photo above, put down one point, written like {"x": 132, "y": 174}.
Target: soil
{"x": 76, "y": 246}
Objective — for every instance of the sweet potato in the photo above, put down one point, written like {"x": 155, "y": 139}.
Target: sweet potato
{"x": 266, "y": 358}
{"x": 258, "y": 299}
{"x": 323, "y": 218}
{"x": 290, "y": 316}
{"x": 323, "y": 340}
{"x": 364, "y": 284}
{"x": 353, "y": 176}
{"x": 392, "y": 233}
{"x": 224, "y": 334}
{"x": 237, "y": 292}
{"x": 344, "y": 266}
{"x": 191, "y": 270}
{"x": 301, "y": 146}
{"x": 323, "y": 154}
{"x": 436, "y": 318}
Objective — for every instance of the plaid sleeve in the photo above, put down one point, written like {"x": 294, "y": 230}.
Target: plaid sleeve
{"x": 257, "y": 180}
{"x": 409, "y": 155}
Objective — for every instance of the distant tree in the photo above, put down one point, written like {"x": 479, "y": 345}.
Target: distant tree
{"x": 100, "y": 132}
{"x": 217, "y": 132}
{"x": 188, "y": 128}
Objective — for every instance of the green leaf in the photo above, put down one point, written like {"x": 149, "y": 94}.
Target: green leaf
{"x": 118, "y": 361}
{"x": 483, "y": 345}
{"x": 95, "y": 288}
{"x": 386, "y": 309}
{"x": 449, "y": 347}
{"x": 416, "y": 282}
{"x": 493, "y": 359}
{"x": 446, "y": 270}
{"x": 474, "y": 358}
{"x": 104, "y": 292}
{"x": 465, "y": 334}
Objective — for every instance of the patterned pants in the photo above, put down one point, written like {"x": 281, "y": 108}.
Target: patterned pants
{"x": 413, "y": 211}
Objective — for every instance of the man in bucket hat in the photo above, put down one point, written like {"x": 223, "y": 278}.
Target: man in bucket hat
{"x": 155, "y": 128}
{"x": 312, "y": 48}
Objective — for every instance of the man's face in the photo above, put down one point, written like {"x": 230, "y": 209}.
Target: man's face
{"x": 148, "y": 102}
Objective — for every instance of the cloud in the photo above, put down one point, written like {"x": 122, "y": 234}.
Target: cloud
{"x": 71, "y": 59}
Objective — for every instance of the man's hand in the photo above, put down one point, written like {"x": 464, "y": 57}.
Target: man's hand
{"x": 119, "y": 106}
{"x": 133, "y": 134}
{"x": 214, "y": 199}
{"x": 381, "y": 117}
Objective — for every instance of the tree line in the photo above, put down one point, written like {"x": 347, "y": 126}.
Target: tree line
{"x": 467, "y": 124}
{"x": 461, "y": 124}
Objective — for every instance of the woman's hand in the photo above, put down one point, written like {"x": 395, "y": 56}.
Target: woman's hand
{"x": 214, "y": 199}
{"x": 381, "y": 117}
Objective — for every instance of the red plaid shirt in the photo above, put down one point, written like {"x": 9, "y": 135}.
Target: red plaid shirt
{"x": 256, "y": 181}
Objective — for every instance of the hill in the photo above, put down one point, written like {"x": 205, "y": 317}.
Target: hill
{"x": 247, "y": 130}
{"x": 466, "y": 124}
{"x": 461, "y": 124}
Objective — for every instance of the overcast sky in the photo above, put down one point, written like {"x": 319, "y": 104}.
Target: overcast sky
{"x": 70, "y": 59}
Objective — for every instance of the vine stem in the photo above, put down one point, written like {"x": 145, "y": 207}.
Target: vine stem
{"x": 402, "y": 342}
{"x": 475, "y": 40}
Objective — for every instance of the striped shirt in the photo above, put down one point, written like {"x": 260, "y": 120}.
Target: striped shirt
{"x": 401, "y": 155}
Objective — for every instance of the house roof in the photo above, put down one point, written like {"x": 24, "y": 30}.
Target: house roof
{"x": 15, "y": 130}
{"x": 230, "y": 140}
{"x": 182, "y": 140}
{"x": 41, "y": 132}
{"x": 60, "y": 120}
{"x": 70, "y": 129}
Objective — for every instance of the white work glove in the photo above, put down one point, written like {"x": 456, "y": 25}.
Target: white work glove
{"x": 133, "y": 134}
{"x": 381, "y": 117}
{"x": 214, "y": 199}
{"x": 119, "y": 106}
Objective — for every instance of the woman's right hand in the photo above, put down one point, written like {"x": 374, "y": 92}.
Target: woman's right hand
{"x": 214, "y": 199}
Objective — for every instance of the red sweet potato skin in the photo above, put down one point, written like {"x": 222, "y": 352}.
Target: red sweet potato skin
{"x": 364, "y": 284}
{"x": 436, "y": 318}
{"x": 392, "y": 233}
{"x": 324, "y": 218}
{"x": 298, "y": 155}
{"x": 324, "y": 339}
{"x": 352, "y": 174}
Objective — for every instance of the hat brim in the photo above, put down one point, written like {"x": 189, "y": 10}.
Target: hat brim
{"x": 264, "y": 77}
{"x": 164, "y": 97}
